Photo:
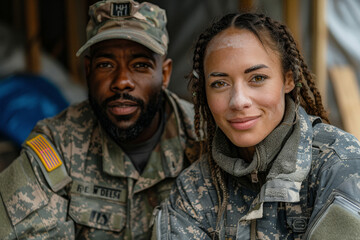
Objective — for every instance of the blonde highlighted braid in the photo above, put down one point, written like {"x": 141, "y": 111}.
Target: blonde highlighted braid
{"x": 271, "y": 34}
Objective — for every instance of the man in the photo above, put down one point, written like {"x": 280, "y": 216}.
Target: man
{"x": 98, "y": 169}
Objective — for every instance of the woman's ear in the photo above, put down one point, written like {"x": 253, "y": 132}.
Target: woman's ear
{"x": 289, "y": 82}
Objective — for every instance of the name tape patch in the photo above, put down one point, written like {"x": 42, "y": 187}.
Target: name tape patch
{"x": 120, "y": 9}
{"x": 44, "y": 150}
{"x": 99, "y": 191}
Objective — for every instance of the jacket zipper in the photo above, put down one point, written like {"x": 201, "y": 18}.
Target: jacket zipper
{"x": 254, "y": 174}
{"x": 253, "y": 230}
{"x": 254, "y": 179}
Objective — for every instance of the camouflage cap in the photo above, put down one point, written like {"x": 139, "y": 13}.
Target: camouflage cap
{"x": 144, "y": 23}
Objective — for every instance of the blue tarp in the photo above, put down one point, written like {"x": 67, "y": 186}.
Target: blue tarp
{"x": 24, "y": 100}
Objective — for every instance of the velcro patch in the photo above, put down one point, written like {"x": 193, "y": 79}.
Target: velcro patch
{"x": 120, "y": 9}
{"x": 43, "y": 149}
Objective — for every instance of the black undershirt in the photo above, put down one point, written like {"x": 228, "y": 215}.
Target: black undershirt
{"x": 140, "y": 153}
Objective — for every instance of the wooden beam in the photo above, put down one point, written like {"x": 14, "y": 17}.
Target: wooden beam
{"x": 73, "y": 18}
{"x": 348, "y": 98}
{"x": 32, "y": 36}
{"x": 291, "y": 10}
{"x": 319, "y": 46}
{"x": 246, "y": 5}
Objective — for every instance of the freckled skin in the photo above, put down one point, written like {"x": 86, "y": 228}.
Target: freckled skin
{"x": 244, "y": 80}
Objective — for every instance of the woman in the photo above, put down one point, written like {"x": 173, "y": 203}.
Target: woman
{"x": 270, "y": 167}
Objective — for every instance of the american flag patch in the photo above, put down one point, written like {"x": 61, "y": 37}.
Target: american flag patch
{"x": 45, "y": 152}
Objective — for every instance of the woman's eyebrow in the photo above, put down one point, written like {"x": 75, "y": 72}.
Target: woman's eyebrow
{"x": 217, "y": 74}
{"x": 256, "y": 67}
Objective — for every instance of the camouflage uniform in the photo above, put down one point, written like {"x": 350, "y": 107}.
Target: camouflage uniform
{"x": 96, "y": 193}
{"x": 283, "y": 207}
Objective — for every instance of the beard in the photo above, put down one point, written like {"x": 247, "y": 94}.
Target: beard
{"x": 147, "y": 114}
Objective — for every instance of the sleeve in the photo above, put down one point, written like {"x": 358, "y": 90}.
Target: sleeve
{"x": 187, "y": 214}
{"x": 29, "y": 208}
{"x": 337, "y": 199}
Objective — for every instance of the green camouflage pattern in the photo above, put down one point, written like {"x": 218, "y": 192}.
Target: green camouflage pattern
{"x": 328, "y": 156}
{"x": 144, "y": 23}
{"x": 107, "y": 198}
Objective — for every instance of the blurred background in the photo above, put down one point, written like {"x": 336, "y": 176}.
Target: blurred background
{"x": 40, "y": 74}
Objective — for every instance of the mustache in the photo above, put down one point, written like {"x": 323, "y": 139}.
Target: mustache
{"x": 122, "y": 96}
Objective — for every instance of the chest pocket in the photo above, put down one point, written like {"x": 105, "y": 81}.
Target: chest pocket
{"x": 98, "y": 206}
{"x": 160, "y": 192}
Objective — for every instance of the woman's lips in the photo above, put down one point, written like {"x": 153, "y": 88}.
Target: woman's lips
{"x": 244, "y": 123}
{"x": 121, "y": 108}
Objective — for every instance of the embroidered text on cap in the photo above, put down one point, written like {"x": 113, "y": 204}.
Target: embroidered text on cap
{"x": 120, "y": 9}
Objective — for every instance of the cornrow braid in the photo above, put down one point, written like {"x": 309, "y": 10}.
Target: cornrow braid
{"x": 271, "y": 34}
{"x": 293, "y": 60}
{"x": 203, "y": 117}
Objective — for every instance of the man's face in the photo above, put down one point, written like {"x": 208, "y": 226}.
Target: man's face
{"x": 125, "y": 81}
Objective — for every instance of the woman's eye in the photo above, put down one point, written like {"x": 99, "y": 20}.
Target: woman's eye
{"x": 258, "y": 79}
{"x": 218, "y": 84}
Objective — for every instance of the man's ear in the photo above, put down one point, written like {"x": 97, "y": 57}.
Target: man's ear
{"x": 87, "y": 65}
{"x": 166, "y": 72}
{"x": 289, "y": 82}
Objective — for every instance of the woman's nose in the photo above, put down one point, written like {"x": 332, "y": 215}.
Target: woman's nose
{"x": 239, "y": 98}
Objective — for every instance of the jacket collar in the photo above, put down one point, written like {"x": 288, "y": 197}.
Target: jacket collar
{"x": 287, "y": 170}
{"x": 286, "y": 187}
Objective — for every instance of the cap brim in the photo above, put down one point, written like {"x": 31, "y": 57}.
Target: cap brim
{"x": 124, "y": 33}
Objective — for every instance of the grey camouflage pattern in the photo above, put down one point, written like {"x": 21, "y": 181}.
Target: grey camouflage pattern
{"x": 107, "y": 198}
{"x": 328, "y": 156}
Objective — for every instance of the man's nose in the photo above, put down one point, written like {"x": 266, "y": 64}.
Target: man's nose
{"x": 122, "y": 81}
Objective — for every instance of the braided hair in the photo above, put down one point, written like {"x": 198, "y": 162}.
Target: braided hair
{"x": 272, "y": 34}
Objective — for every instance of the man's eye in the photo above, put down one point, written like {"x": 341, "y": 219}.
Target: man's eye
{"x": 141, "y": 65}
{"x": 103, "y": 65}
{"x": 218, "y": 84}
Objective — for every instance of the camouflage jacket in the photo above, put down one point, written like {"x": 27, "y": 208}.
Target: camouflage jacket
{"x": 95, "y": 193}
{"x": 324, "y": 205}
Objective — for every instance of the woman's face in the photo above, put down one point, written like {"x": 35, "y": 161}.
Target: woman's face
{"x": 245, "y": 86}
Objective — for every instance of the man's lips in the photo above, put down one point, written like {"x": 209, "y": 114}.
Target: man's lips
{"x": 122, "y": 107}
{"x": 244, "y": 123}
